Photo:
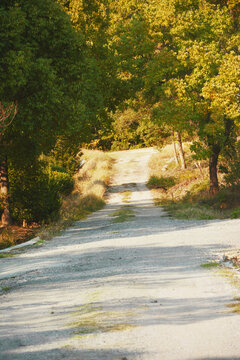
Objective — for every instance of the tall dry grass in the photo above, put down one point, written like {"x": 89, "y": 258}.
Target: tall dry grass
{"x": 186, "y": 181}
{"x": 184, "y": 193}
{"x": 87, "y": 196}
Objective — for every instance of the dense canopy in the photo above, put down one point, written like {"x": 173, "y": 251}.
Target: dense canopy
{"x": 126, "y": 72}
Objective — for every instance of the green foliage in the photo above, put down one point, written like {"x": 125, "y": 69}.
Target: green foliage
{"x": 125, "y": 213}
{"x": 189, "y": 211}
{"x": 34, "y": 197}
{"x": 235, "y": 214}
{"x": 65, "y": 155}
{"x": 57, "y": 168}
{"x": 210, "y": 265}
{"x": 231, "y": 166}
{"x": 186, "y": 64}
{"x": 133, "y": 128}
{"x": 61, "y": 182}
{"x": 227, "y": 198}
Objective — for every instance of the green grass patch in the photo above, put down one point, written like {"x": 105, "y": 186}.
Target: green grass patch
{"x": 190, "y": 211}
{"x": 235, "y": 214}
{"x": 91, "y": 320}
{"x": 6, "y": 288}
{"x": 39, "y": 242}
{"x": 126, "y": 195}
{"x": 125, "y": 213}
{"x": 164, "y": 183}
{"x": 210, "y": 265}
{"x": 2, "y": 256}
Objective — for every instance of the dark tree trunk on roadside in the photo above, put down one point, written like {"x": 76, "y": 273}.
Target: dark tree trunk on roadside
{"x": 4, "y": 189}
{"x": 180, "y": 150}
{"x": 213, "y": 162}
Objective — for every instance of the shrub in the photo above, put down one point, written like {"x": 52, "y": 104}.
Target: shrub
{"x": 62, "y": 182}
{"x": 235, "y": 214}
{"x": 57, "y": 168}
{"x": 165, "y": 183}
{"x": 33, "y": 196}
{"x": 232, "y": 167}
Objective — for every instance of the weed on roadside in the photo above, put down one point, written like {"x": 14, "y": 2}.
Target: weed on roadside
{"x": 91, "y": 320}
{"x": 164, "y": 183}
{"x": 6, "y": 288}
{"x": 88, "y": 195}
{"x": 234, "y": 279}
{"x": 2, "y": 256}
{"x": 126, "y": 195}
{"x": 189, "y": 197}
{"x": 235, "y": 306}
{"x": 125, "y": 213}
{"x": 210, "y": 265}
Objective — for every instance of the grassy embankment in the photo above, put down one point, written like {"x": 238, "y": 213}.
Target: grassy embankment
{"x": 184, "y": 193}
{"x": 87, "y": 196}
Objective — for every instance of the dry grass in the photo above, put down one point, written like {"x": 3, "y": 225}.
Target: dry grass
{"x": 188, "y": 198}
{"x": 125, "y": 213}
{"x": 88, "y": 195}
{"x": 14, "y": 235}
{"x": 91, "y": 320}
{"x": 190, "y": 180}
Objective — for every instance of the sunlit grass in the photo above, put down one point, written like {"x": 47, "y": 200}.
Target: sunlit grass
{"x": 92, "y": 320}
{"x": 184, "y": 193}
{"x": 210, "y": 265}
{"x": 88, "y": 195}
{"x": 125, "y": 213}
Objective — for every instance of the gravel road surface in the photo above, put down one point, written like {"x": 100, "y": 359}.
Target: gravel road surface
{"x": 132, "y": 290}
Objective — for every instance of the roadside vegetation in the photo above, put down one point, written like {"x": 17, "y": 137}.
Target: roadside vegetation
{"x": 125, "y": 213}
{"x": 184, "y": 193}
{"x": 85, "y": 195}
{"x": 117, "y": 75}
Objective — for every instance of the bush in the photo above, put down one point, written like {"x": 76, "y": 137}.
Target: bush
{"x": 164, "y": 183}
{"x": 232, "y": 167}
{"x": 62, "y": 182}
{"x": 235, "y": 214}
{"x": 34, "y": 197}
{"x": 57, "y": 168}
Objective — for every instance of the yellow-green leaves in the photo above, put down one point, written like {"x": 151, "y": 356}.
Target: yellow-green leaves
{"x": 223, "y": 90}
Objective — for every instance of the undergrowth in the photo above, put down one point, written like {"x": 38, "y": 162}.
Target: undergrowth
{"x": 14, "y": 235}
{"x": 91, "y": 182}
{"x": 184, "y": 192}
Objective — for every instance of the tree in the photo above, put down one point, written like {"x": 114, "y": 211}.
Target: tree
{"x": 7, "y": 115}
{"x": 187, "y": 80}
{"x": 46, "y": 67}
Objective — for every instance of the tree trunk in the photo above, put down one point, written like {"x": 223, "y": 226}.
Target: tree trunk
{"x": 180, "y": 149}
{"x": 175, "y": 150}
{"x": 213, "y": 162}
{"x": 4, "y": 189}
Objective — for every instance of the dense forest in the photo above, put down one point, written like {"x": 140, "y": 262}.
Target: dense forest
{"x": 112, "y": 75}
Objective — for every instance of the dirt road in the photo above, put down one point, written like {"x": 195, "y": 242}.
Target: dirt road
{"x": 131, "y": 290}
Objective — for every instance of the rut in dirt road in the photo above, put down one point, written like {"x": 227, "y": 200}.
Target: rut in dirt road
{"x": 124, "y": 284}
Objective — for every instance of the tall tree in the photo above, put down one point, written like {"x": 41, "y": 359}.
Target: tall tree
{"x": 7, "y": 115}
{"x": 188, "y": 76}
{"x": 45, "y": 66}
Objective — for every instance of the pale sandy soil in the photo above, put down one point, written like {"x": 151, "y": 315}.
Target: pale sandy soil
{"x": 133, "y": 290}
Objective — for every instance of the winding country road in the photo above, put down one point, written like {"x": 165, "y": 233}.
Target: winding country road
{"x": 132, "y": 290}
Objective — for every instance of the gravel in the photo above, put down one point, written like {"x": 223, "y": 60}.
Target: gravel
{"x": 133, "y": 290}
